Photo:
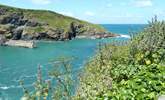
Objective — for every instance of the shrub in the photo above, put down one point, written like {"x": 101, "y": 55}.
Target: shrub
{"x": 135, "y": 70}
{"x": 60, "y": 87}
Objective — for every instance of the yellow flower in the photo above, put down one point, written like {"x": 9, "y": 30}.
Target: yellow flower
{"x": 148, "y": 62}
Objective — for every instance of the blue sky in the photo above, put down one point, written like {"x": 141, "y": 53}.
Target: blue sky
{"x": 99, "y": 11}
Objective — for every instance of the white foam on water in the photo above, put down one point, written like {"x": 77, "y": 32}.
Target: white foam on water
{"x": 125, "y": 36}
{"x": 27, "y": 76}
{"x": 6, "y": 87}
{"x": 12, "y": 86}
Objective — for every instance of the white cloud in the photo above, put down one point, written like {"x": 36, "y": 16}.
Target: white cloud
{"x": 41, "y": 2}
{"x": 89, "y": 13}
{"x": 143, "y": 3}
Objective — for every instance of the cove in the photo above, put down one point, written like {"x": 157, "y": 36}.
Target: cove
{"x": 21, "y": 63}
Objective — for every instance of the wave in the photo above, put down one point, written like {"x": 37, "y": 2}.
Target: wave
{"x": 7, "y": 87}
{"x": 125, "y": 36}
{"x": 12, "y": 86}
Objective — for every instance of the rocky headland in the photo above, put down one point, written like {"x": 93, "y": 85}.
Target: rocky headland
{"x": 26, "y": 25}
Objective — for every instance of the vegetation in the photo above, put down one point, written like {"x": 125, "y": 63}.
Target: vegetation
{"x": 135, "y": 70}
{"x": 59, "y": 87}
{"x": 53, "y": 19}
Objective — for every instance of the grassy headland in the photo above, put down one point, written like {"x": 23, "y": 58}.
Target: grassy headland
{"x": 17, "y": 23}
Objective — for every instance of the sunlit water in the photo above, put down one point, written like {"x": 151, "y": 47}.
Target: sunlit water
{"x": 21, "y": 63}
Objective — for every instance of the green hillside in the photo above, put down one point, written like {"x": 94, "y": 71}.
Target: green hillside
{"x": 52, "y": 18}
{"x": 46, "y": 20}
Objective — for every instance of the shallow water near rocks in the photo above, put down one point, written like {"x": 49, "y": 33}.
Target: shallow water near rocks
{"x": 21, "y": 63}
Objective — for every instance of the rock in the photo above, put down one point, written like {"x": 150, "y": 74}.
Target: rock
{"x": 55, "y": 34}
{"x": 2, "y": 40}
{"x": 21, "y": 22}
{"x": 42, "y": 35}
{"x": 11, "y": 24}
{"x": 2, "y": 31}
{"x": 27, "y": 36}
{"x": 32, "y": 23}
{"x": 14, "y": 18}
{"x": 3, "y": 11}
{"x": 7, "y": 27}
{"x": 104, "y": 35}
{"x": 73, "y": 31}
{"x": 17, "y": 33}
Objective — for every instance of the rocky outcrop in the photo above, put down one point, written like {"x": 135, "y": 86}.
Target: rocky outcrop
{"x": 2, "y": 40}
{"x": 17, "y": 33}
{"x": 14, "y": 18}
{"x": 104, "y": 35}
{"x": 99, "y": 36}
{"x": 55, "y": 34}
{"x": 20, "y": 24}
{"x": 3, "y": 11}
{"x": 73, "y": 31}
{"x": 17, "y": 23}
{"x": 32, "y": 23}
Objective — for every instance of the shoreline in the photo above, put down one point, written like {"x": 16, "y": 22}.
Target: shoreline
{"x": 32, "y": 43}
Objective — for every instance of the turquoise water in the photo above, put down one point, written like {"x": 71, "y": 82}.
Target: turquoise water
{"x": 124, "y": 28}
{"x": 21, "y": 63}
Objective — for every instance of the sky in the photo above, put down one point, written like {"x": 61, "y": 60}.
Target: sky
{"x": 99, "y": 11}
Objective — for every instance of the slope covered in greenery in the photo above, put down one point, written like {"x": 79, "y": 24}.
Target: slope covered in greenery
{"x": 133, "y": 71}
{"x": 52, "y": 18}
{"x": 17, "y": 23}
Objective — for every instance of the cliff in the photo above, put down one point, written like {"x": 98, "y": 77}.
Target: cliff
{"x": 26, "y": 24}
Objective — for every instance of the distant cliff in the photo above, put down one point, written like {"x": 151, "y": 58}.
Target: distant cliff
{"x": 25, "y": 24}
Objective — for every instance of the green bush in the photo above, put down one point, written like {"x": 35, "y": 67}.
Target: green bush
{"x": 148, "y": 83}
{"x": 134, "y": 71}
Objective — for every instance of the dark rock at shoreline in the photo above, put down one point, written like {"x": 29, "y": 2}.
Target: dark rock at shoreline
{"x": 2, "y": 40}
{"x": 27, "y": 37}
{"x": 3, "y": 11}
{"x": 105, "y": 35}
{"x": 17, "y": 33}
{"x": 42, "y": 35}
{"x": 55, "y": 33}
{"x": 74, "y": 30}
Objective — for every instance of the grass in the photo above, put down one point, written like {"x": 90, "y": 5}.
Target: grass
{"x": 54, "y": 19}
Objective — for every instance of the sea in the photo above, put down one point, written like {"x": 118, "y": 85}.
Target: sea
{"x": 17, "y": 63}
